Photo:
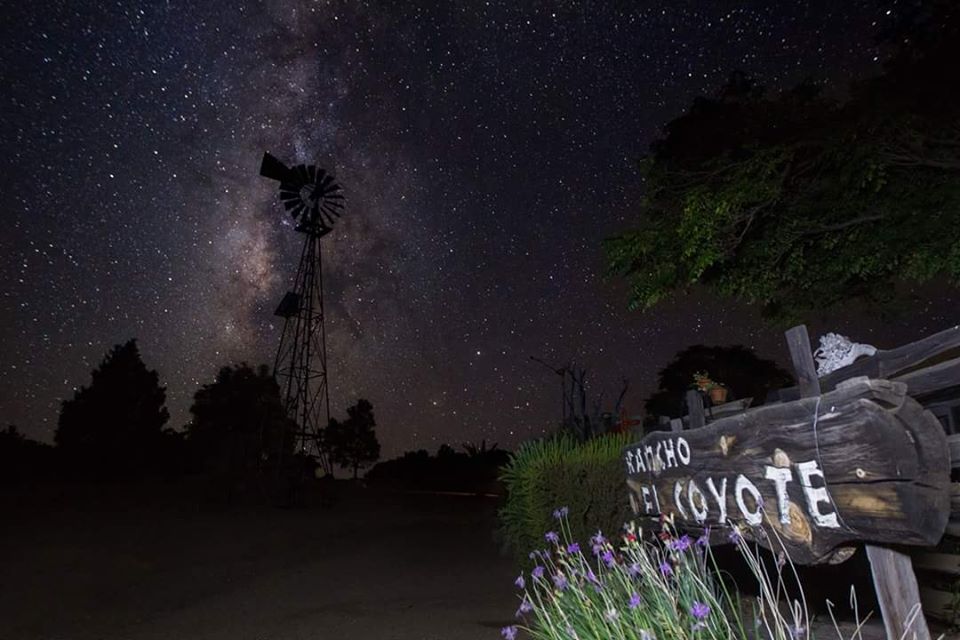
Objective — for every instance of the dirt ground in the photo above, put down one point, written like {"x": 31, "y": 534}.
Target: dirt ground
{"x": 139, "y": 563}
{"x": 375, "y": 565}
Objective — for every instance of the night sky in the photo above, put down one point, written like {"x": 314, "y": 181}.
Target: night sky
{"x": 485, "y": 149}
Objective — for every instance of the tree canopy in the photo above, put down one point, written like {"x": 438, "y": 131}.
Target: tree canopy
{"x": 239, "y": 424}
{"x": 738, "y": 368}
{"x": 114, "y": 427}
{"x": 797, "y": 201}
{"x": 353, "y": 443}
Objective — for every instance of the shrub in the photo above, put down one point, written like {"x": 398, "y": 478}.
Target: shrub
{"x": 587, "y": 477}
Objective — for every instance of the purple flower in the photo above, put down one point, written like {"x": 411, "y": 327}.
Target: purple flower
{"x": 797, "y": 632}
{"x": 704, "y": 541}
{"x": 699, "y": 610}
{"x": 525, "y": 608}
{"x": 560, "y": 581}
{"x": 592, "y": 577}
{"x": 573, "y": 547}
{"x": 520, "y": 582}
{"x": 681, "y": 544}
{"x": 509, "y": 633}
{"x": 634, "y": 570}
{"x": 666, "y": 569}
{"x": 634, "y": 600}
{"x": 561, "y": 513}
{"x": 551, "y": 536}
{"x": 537, "y": 572}
{"x": 598, "y": 542}
{"x": 608, "y": 559}
{"x": 734, "y": 536}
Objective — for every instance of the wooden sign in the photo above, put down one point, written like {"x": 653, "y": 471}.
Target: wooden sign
{"x": 862, "y": 463}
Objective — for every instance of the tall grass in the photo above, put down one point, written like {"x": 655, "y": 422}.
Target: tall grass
{"x": 587, "y": 477}
{"x": 658, "y": 587}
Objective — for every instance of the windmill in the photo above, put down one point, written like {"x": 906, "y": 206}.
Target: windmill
{"x": 312, "y": 198}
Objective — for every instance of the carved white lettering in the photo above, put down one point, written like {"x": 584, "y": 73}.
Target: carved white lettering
{"x": 693, "y": 495}
{"x": 719, "y": 496}
{"x": 742, "y": 484}
{"x": 816, "y": 495}
{"x": 781, "y": 476}
{"x": 677, "y": 494}
{"x": 683, "y": 451}
{"x": 647, "y": 503}
{"x": 669, "y": 454}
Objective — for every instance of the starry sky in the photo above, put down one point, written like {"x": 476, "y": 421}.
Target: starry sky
{"x": 485, "y": 149}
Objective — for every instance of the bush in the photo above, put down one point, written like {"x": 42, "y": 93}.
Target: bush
{"x": 587, "y": 477}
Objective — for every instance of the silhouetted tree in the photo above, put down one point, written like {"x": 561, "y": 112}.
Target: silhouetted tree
{"x": 737, "y": 367}
{"x": 114, "y": 427}
{"x": 239, "y": 426}
{"x": 353, "y": 443}
{"x": 22, "y": 458}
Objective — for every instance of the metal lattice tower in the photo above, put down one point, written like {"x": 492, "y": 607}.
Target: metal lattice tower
{"x": 313, "y": 199}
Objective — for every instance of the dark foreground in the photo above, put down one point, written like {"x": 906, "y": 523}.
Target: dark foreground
{"x": 139, "y": 564}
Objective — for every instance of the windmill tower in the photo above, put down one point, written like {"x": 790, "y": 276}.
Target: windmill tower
{"x": 313, "y": 199}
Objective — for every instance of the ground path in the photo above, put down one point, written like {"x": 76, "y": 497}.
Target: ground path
{"x": 375, "y": 565}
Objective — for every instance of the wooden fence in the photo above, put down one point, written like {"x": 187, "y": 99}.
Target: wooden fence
{"x": 930, "y": 368}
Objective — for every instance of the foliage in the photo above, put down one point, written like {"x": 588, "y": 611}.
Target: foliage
{"x": 742, "y": 372}
{"x": 449, "y": 470}
{"x": 114, "y": 427}
{"x": 633, "y": 587}
{"x": 353, "y": 443}
{"x": 239, "y": 425}
{"x": 588, "y": 477}
{"x": 797, "y": 202}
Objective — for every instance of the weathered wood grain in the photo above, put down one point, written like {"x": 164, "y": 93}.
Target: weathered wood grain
{"x": 939, "y": 604}
{"x": 898, "y": 594}
{"x": 695, "y": 414}
{"x": 948, "y": 563}
{"x": 892, "y": 363}
{"x": 928, "y": 380}
{"x": 883, "y": 459}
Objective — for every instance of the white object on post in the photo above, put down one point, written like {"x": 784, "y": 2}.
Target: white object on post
{"x": 837, "y": 351}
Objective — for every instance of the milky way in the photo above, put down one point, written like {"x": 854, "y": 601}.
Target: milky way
{"x": 485, "y": 149}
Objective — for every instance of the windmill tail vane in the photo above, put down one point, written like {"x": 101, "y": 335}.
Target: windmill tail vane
{"x": 309, "y": 193}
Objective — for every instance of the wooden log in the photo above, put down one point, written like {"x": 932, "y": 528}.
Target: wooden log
{"x": 893, "y": 363}
{"x": 953, "y": 442}
{"x": 798, "y": 341}
{"x": 939, "y": 604}
{"x": 864, "y": 462}
{"x": 893, "y": 577}
{"x": 925, "y": 381}
{"x": 898, "y": 594}
{"x": 948, "y": 563}
{"x": 695, "y": 409}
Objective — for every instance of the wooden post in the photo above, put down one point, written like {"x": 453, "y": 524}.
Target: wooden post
{"x": 695, "y": 409}
{"x": 893, "y": 576}
{"x": 676, "y": 424}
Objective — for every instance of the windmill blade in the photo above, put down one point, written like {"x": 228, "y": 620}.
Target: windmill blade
{"x": 272, "y": 168}
{"x": 304, "y": 175}
{"x": 326, "y": 182}
{"x": 312, "y": 172}
{"x": 297, "y": 211}
{"x": 333, "y": 203}
{"x": 332, "y": 212}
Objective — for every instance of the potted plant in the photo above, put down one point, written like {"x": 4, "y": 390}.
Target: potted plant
{"x": 716, "y": 390}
